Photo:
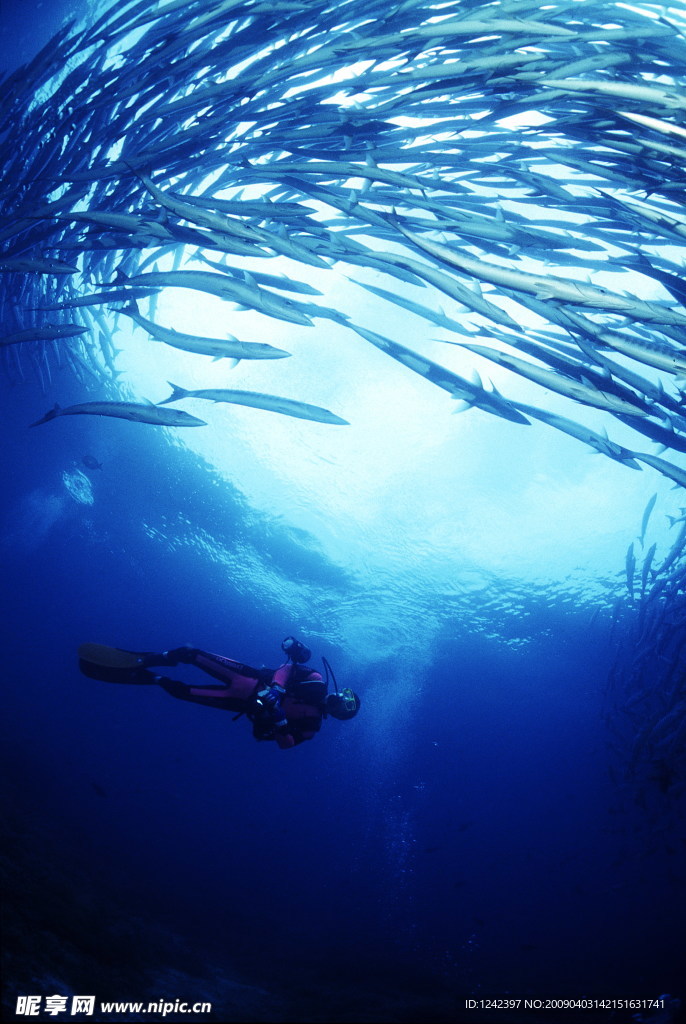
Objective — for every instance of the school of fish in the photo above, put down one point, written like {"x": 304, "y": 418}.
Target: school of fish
{"x": 510, "y": 173}
{"x": 495, "y": 157}
{"x": 645, "y": 705}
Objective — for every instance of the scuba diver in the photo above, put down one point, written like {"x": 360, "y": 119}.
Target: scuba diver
{"x": 286, "y": 704}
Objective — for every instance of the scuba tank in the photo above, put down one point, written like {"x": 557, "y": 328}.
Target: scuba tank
{"x": 296, "y": 652}
{"x": 342, "y": 703}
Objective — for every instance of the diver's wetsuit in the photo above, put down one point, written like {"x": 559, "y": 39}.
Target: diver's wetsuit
{"x": 302, "y": 704}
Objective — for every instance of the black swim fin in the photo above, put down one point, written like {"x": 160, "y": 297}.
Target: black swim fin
{"x": 116, "y": 657}
{"x": 114, "y": 665}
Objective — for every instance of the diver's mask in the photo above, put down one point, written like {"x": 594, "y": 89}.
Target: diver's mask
{"x": 343, "y": 704}
{"x": 349, "y": 702}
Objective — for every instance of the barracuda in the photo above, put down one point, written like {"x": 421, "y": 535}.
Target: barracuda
{"x": 232, "y": 130}
{"x": 218, "y": 348}
{"x": 135, "y": 411}
{"x": 223, "y": 287}
{"x": 549, "y": 379}
{"x": 47, "y": 332}
{"x": 548, "y": 287}
{"x": 458, "y": 387}
{"x": 656, "y": 354}
{"x": 598, "y": 442}
{"x": 272, "y": 403}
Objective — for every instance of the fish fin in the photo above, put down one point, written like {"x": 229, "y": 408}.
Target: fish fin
{"x": 177, "y": 393}
{"x": 55, "y": 411}
{"x": 461, "y": 405}
{"x": 231, "y": 360}
{"x": 476, "y": 379}
{"x": 130, "y": 306}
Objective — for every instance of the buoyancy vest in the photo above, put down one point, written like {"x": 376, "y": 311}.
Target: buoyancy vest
{"x": 302, "y": 704}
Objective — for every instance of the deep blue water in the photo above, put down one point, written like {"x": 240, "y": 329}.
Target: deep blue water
{"x": 477, "y": 847}
{"x": 27, "y": 26}
{"x": 462, "y": 838}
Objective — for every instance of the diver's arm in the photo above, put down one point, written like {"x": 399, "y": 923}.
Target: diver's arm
{"x": 285, "y": 673}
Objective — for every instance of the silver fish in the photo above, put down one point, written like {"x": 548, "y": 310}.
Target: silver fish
{"x": 249, "y": 295}
{"x": 667, "y": 469}
{"x": 458, "y": 387}
{"x": 549, "y": 287}
{"x": 548, "y": 379}
{"x": 46, "y": 332}
{"x": 272, "y": 403}
{"x": 136, "y": 411}
{"x": 35, "y": 265}
{"x": 630, "y": 568}
{"x": 218, "y": 348}
{"x": 598, "y": 442}
{"x": 646, "y": 516}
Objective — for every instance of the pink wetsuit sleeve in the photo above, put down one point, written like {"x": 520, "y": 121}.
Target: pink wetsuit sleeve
{"x": 283, "y": 675}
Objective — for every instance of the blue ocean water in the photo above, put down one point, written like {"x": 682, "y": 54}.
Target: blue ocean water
{"x": 463, "y": 841}
{"x": 465, "y": 836}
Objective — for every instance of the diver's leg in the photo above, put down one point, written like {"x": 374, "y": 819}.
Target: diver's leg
{"x": 232, "y": 673}
{"x": 210, "y": 696}
{"x": 173, "y": 657}
{"x": 241, "y": 678}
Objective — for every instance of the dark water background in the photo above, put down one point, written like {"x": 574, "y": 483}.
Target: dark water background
{"x": 465, "y": 840}
{"x": 476, "y": 847}
{"x": 26, "y": 26}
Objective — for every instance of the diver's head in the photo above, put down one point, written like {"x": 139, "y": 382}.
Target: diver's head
{"x": 342, "y": 705}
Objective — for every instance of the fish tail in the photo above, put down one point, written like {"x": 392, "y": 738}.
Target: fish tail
{"x": 129, "y": 306}
{"x": 48, "y": 416}
{"x": 176, "y": 394}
